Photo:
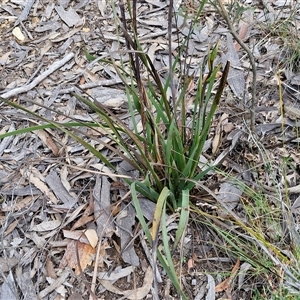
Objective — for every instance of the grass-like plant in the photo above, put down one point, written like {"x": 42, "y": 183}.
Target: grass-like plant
{"x": 260, "y": 234}
{"x": 167, "y": 151}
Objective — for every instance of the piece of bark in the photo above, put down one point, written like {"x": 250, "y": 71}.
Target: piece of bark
{"x": 235, "y": 77}
{"x": 102, "y": 212}
{"x": 125, "y": 232}
{"x": 55, "y": 184}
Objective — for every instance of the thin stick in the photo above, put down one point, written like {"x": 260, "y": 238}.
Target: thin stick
{"x": 34, "y": 83}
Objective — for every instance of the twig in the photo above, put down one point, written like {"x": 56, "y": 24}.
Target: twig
{"x": 24, "y": 14}
{"x": 224, "y": 13}
{"x": 85, "y": 86}
{"x": 28, "y": 87}
{"x": 145, "y": 38}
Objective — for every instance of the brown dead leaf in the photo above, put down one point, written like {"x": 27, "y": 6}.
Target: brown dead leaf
{"x": 24, "y": 202}
{"x": 242, "y": 34}
{"x": 74, "y": 214}
{"x": 218, "y": 135}
{"x": 11, "y": 227}
{"x": 190, "y": 264}
{"x": 225, "y": 285}
{"x": 85, "y": 253}
{"x": 82, "y": 80}
{"x": 48, "y": 141}
{"x": 50, "y": 269}
{"x": 117, "y": 247}
{"x": 88, "y": 216}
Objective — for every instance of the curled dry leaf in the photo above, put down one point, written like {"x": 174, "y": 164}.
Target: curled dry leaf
{"x": 36, "y": 178}
{"x": 46, "y": 226}
{"x": 139, "y": 293}
{"x": 86, "y": 254}
{"x": 225, "y": 285}
{"x": 218, "y": 135}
